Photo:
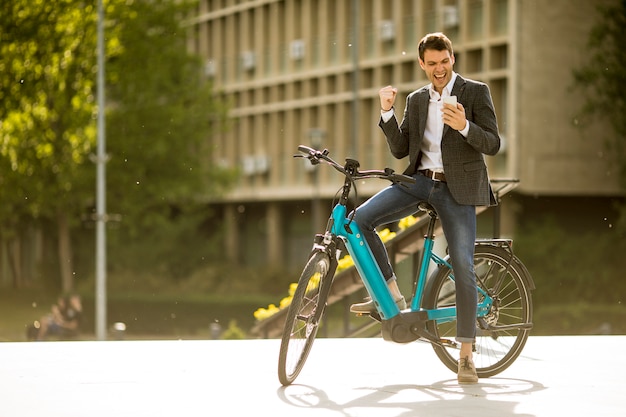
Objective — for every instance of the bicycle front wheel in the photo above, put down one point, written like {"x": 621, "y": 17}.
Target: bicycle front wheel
{"x": 505, "y": 280}
{"x": 303, "y": 316}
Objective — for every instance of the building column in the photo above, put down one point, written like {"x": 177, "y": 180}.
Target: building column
{"x": 231, "y": 232}
{"x": 274, "y": 234}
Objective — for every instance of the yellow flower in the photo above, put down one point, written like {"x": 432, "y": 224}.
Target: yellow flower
{"x": 345, "y": 263}
{"x": 407, "y": 222}
{"x": 263, "y": 313}
{"x": 284, "y": 303}
{"x": 292, "y": 288}
{"x": 386, "y": 235}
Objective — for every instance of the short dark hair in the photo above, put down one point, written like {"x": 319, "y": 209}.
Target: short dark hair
{"x": 437, "y": 41}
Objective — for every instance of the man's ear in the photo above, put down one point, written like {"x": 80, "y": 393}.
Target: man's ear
{"x": 422, "y": 66}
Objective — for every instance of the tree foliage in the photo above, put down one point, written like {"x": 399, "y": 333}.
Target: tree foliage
{"x": 603, "y": 76}
{"x": 160, "y": 113}
{"x": 46, "y": 115}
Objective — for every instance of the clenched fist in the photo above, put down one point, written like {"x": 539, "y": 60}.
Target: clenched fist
{"x": 387, "y": 97}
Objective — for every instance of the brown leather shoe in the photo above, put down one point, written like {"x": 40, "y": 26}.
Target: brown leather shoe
{"x": 467, "y": 371}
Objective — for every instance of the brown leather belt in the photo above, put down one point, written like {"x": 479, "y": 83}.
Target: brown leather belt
{"x": 436, "y": 176}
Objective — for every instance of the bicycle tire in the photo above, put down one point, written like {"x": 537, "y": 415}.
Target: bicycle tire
{"x": 304, "y": 316}
{"x": 494, "y": 350}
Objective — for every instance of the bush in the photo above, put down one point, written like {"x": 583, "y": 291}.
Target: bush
{"x": 570, "y": 266}
{"x": 233, "y": 332}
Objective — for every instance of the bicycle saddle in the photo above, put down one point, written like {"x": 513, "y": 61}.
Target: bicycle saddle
{"x": 427, "y": 207}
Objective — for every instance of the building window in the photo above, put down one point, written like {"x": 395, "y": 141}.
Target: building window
{"x": 475, "y": 20}
{"x": 499, "y": 57}
{"x": 500, "y": 17}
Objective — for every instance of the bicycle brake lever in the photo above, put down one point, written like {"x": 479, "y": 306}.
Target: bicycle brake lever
{"x": 399, "y": 178}
{"x": 309, "y": 157}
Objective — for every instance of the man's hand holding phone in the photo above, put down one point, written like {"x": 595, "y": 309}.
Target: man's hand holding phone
{"x": 453, "y": 113}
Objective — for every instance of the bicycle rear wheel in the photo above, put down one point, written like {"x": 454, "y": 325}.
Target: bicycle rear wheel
{"x": 511, "y": 313}
{"x": 303, "y": 316}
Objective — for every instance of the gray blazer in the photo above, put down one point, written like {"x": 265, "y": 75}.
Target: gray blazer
{"x": 463, "y": 160}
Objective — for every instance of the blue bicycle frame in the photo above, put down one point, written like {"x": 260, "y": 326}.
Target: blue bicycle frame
{"x": 373, "y": 279}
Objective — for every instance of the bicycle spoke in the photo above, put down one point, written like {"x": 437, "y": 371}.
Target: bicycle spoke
{"x": 497, "y": 345}
{"x": 303, "y": 317}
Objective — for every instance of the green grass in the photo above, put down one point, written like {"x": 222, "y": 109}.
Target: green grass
{"x": 160, "y": 316}
{"x": 19, "y": 308}
{"x": 579, "y": 319}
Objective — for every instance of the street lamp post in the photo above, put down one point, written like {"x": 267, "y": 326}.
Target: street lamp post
{"x": 101, "y": 311}
{"x": 316, "y": 138}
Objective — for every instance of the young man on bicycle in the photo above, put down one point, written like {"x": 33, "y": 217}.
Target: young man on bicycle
{"x": 446, "y": 144}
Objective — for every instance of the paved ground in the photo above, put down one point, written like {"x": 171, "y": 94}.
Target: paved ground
{"x": 555, "y": 376}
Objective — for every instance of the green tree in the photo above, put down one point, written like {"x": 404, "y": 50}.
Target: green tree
{"x": 159, "y": 116}
{"x": 162, "y": 112}
{"x": 46, "y": 116}
{"x": 603, "y": 76}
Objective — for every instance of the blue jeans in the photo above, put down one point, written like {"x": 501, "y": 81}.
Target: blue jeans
{"x": 459, "y": 226}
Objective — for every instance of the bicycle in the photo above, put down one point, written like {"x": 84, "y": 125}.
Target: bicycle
{"x": 504, "y": 314}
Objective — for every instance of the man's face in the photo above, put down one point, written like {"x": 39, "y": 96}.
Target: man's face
{"x": 438, "y": 67}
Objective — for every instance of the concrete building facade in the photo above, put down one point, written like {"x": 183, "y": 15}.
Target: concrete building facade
{"x": 308, "y": 72}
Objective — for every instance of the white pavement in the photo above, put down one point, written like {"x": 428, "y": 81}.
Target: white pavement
{"x": 555, "y": 376}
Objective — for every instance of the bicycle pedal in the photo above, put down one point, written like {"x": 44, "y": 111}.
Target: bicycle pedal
{"x": 374, "y": 316}
{"x": 449, "y": 343}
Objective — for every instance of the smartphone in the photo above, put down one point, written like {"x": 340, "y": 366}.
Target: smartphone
{"x": 450, "y": 100}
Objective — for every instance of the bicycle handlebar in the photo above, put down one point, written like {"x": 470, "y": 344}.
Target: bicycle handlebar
{"x": 351, "y": 169}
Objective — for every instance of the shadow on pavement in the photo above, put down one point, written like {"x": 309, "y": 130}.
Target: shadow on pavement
{"x": 440, "y": 398}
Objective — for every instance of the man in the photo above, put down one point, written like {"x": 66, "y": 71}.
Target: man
{"x": 445, "y": 144}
